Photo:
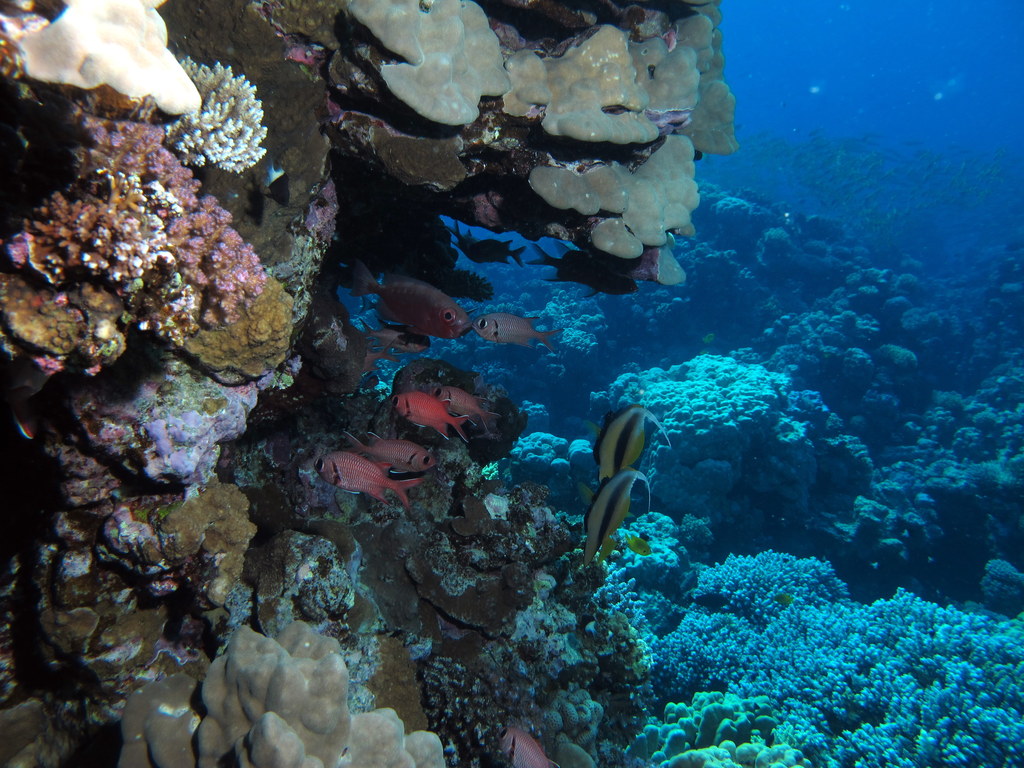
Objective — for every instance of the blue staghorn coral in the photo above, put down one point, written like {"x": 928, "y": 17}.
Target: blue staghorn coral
{"x": 900, "y": 682}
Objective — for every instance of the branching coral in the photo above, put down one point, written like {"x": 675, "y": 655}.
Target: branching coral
{"x": 227, "y": 130}
{"x": 133, "y": 228}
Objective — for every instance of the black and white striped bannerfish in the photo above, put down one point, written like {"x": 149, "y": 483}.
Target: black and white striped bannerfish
{"x": 620, "y": 440}
{"x": 608, "y": 509}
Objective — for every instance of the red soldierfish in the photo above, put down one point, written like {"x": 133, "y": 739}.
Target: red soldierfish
{"x": 351, "y": 472}
{"x": 506, "y": 328}
{"x": 403, "y": 455}
{"x": 412, "y": 302}
{"x": 522, "y": 750}
{"x": 461, "y": 403}
{"x": 427, "y": 411}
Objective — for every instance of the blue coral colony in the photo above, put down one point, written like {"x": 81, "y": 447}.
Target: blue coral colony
{"x": 283, "y": 490}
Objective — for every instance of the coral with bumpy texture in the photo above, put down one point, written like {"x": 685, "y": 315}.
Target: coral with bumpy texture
{"x": 132, "y": 225}
{"x": 120, "y": 43}
{"x": 451, "y": 55}
{"x": 227, "y": 130}
{"x": 761, "y": 586}
{"x": 908, "y": 682}
{"x": 269, "y": 704}
{"x": 628, "y": 90}
{"x": 164, "y": 426}
{"x": 719, "y": 413}
{"x": 579, "y": 86}
{"x": 710, "y": 719}
{"x": 652, "y": 199}
{"x": 256, "y": 342}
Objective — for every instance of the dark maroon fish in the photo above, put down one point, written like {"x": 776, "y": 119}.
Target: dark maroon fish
{"x": 578, "y": 267}
{"x": 411, "y": 302}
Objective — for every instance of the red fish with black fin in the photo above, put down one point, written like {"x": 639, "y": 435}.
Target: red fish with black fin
{"x": 414, "y": 303}
{"x": 506, "y": 328}
{"x": 461, "y": 403}
{"x": 373, "y": 357}
{"x": 403, "y": 455}
{"x": 356, "y": 474}
{"x": 427, "y": 411}
{"x": 524, "y": 751}
{"x": 398, "y": 340}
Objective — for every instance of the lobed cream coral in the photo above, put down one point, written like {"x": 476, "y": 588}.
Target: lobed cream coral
{"x": 269, "y": 704}
{"x": 451, "y": 55}
{"x": 656, "y": 197}
{"x": 579, "y": 87}
{"x": 227, "y": 130}
{"x": 119, "y": 43}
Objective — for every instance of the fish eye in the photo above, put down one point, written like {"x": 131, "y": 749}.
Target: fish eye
{"x": 394, "y": 400}
{"x": 426, "y": 461}
{"x": 319, "y": 466}
{"x": 437, "y": 391}
{"x": 481, "y": 323}
{"x": 448, "y": 315}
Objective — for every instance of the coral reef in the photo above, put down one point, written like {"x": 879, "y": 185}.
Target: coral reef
{"x": 903, "y": 679}
{"x": 599, "y": 95}
{"x": 227, "y": 130}
{"x": 269, "y": 703}
{"x": 135, "y": 229}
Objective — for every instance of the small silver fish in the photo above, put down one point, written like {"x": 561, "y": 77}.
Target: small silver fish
{"x": 506, "y": 328}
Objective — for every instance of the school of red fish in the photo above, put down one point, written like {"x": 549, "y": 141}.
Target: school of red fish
{"x": 413, "y": 311}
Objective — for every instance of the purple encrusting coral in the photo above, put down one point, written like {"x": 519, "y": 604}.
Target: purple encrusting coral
{"x": 210, "y": 256}
{"x": 168, "y": 434}
{"x": 133, "y": 227}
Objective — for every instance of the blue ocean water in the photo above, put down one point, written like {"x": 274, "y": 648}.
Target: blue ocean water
{"x": 841, "y": 378}
{"x": 824, "y": 560}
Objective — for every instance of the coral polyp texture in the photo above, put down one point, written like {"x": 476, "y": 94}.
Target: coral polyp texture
{"x": 134, "y": 230}
{"x": 227, "y": 130}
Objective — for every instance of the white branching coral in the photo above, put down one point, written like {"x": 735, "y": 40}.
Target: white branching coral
{"x": 227, "y": 130}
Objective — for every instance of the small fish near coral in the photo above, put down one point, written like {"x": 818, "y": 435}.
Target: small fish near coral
{"x": 397, "y": 339}
{"x": 462, "y": 403}
{"x": 638, "y": 545}
{"x": 356, "y": 474}
{"x": 488, "y": 250}
{"x": 413, "y": 303}
{"x": 425, "y": 410}
{"x": 524, "y": 751}
{"x": 506, "y": 328}
{"x": 400, "y": 455}
{"x": 620, "y": 440}
{"x": 608, "y": 509}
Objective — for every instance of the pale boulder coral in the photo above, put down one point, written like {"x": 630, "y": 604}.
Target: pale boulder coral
{"x": 451, "y": 55}
{"x": 656, "y": 197}
{"x": 119, "y": 43}
{"x": 579, "y": 86}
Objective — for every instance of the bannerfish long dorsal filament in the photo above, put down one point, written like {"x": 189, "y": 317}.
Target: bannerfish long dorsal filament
{"x": 621, "y": 439}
